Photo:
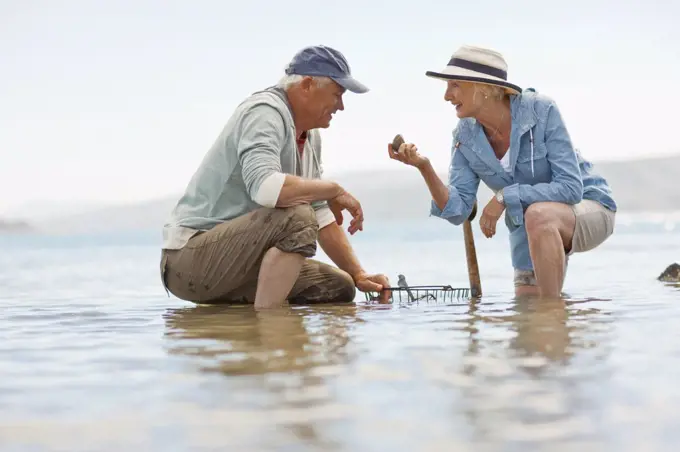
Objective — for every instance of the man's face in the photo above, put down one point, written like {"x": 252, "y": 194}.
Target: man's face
{"x": 322, "y": 101}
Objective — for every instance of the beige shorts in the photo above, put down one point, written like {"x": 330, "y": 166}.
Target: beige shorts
{"x": 594, "y": 225}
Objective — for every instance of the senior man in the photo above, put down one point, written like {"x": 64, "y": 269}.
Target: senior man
{"x": 248, "y": 223}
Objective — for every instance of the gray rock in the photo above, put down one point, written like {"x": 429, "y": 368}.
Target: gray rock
{"x": 671, "y": 274}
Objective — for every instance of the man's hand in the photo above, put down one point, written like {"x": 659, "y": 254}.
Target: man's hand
{"x": 348, "y": 202}
{"x": 373, "y": 283}
{"x": 336, "y": 208}
{"x": 490, "y": 215}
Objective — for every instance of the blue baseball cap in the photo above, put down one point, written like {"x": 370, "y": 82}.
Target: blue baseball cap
{"x": 326, "y": 62}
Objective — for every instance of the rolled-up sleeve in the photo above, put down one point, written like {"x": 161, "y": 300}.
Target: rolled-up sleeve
{"x": 566, "y": 185}
{"x": 259, "y": 151}
{"x": 324, "y": 216}
{"x": 462, "y": 185}
{"x": 267, "y": 194}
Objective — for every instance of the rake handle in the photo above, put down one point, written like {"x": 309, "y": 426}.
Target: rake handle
{"x": 470, "y": 249}
{"x": 471, "y": 255}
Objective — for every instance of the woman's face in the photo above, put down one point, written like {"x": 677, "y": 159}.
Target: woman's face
{"x": 462, "y": 96}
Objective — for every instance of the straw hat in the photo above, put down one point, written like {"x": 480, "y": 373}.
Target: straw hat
{"x": 477, "y": 64}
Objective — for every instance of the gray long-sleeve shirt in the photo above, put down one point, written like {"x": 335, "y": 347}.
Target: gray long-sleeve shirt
{"x": 245, "y": 167}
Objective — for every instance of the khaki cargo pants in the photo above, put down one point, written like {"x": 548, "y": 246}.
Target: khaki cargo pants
{"x": 222, "y": 265}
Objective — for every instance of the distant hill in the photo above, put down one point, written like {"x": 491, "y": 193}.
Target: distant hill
{"x": 650, "y": 184}
{"x": 13, "y": 226}
{"x": 640, "y": 185}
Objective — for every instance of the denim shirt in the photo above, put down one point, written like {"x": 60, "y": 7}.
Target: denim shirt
{"x": 544, "y": 166}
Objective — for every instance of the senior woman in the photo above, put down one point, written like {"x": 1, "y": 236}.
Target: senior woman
{"x": 517, "y": 143}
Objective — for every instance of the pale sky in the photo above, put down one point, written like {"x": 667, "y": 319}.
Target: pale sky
{"x": 104, "y": 101}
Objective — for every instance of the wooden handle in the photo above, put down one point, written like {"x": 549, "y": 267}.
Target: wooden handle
{"x": 474, "y": 212}
{"x": 471, "y": 255}
{"x": 470, "y": 250}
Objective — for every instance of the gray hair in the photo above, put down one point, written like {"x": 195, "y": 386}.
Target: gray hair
{"x": 293, "y": 79}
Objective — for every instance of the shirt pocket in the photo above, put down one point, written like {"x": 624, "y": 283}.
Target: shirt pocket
{"x": 533, "y": 165}
{"x": 540, "y": 152}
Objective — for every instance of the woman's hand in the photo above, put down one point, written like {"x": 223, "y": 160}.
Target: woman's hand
{"x": 490, "y": 215}
{"x": 407, "y": 154}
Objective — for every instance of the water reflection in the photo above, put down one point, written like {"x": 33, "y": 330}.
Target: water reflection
{"x": 519, "y": 371}
{"x": 672, "y": 285}
{"x": 529, "y": 375}
{"x": 237, "y": 340}
{"x": 544, "y": 329}
{"x": 297, "y": 352}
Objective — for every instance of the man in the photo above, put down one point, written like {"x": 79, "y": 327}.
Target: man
{"x": 249, "y": 220}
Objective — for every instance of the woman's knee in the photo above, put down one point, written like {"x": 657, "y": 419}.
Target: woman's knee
{"x": 537, "y": 217}
{"x": 544, "y": 217}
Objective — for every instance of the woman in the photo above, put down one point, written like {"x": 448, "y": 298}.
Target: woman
{"x": 517, "y": 143}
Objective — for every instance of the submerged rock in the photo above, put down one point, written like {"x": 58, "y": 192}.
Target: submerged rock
{"x": 671, "y": 274}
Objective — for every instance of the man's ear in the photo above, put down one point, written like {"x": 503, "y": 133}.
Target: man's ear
{"x": 306, "y": 83}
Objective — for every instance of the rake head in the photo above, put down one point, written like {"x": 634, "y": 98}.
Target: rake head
{"x": 417, "y": 294}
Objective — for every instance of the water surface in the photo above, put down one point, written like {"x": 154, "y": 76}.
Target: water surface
{"x": 95, "y": 355}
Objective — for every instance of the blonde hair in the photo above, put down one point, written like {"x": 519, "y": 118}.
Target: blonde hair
{"x": 492, "y": 92}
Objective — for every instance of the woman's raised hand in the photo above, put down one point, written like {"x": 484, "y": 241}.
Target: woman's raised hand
{"x": 406, "y": 153}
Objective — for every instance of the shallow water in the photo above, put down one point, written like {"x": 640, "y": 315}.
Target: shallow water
{"x": 95, "y": 356}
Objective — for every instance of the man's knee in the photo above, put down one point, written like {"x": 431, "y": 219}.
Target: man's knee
{"x": 339, "y": 287}
{"x": 299, "y": 230}
{"x": 322, "y": 283}
{"x": 345, "y": 288}
{"x": 303, "y": 213}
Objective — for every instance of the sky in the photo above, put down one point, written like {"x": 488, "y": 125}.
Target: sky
{"x": 117, "y": 102}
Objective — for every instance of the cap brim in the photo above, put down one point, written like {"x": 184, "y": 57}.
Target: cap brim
{"x": 351, "y": 84}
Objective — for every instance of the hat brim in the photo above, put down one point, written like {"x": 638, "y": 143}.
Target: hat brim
{"x": 351, "y": 84}
{"x": 466, "y": 75}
